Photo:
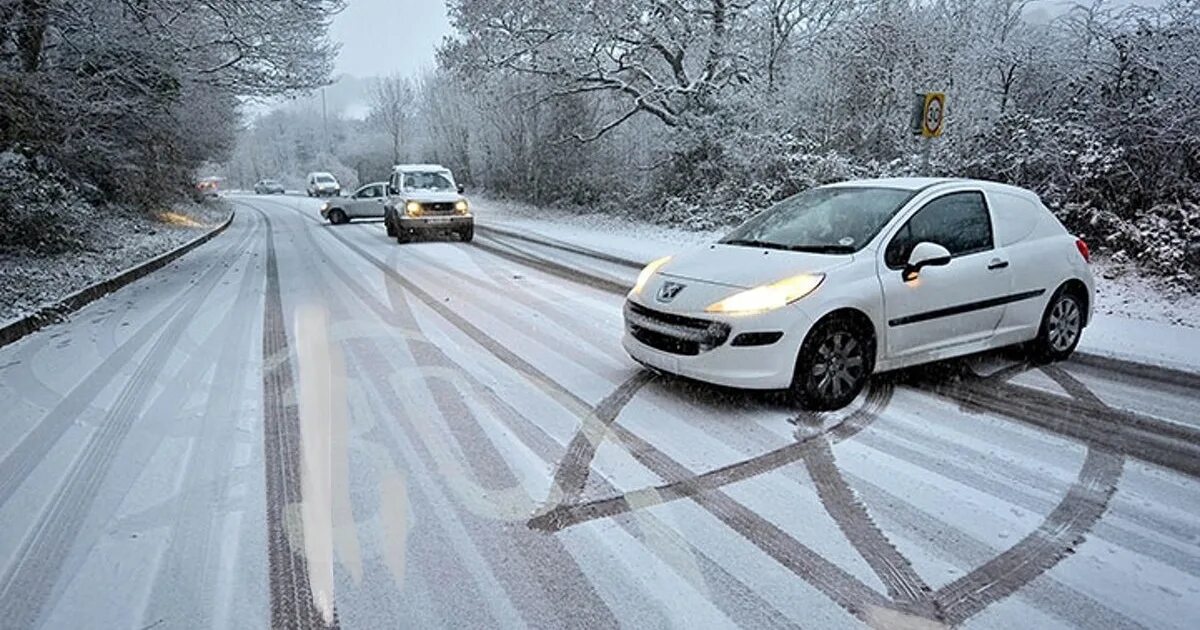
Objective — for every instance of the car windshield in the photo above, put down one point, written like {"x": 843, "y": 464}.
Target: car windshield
{"x": 429, "y": 180}
{"x": 325, "y": 179}
{"x": 824, "y": 220}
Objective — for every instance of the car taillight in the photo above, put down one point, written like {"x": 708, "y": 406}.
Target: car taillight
{"x": 1083, "y": 250}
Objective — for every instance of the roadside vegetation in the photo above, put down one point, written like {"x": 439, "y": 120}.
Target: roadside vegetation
{"x": 109, "y": 106}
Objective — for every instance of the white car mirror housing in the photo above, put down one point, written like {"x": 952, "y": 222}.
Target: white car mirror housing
{"x": 925, "y": 254}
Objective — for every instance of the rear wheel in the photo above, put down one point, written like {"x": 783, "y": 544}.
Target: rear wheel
{"x": 1062, "y": 326}
{"x": 834, "y": 363}
{"x": 337, "y": 217}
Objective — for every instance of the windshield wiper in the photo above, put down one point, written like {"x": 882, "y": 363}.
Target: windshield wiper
{"x": 823, "y": 249}
{"x": 752, "y": 243}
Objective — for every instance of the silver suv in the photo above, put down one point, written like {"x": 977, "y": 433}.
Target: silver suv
{"x": 423, "y": 198}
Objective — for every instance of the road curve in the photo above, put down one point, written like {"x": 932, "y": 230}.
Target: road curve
{"x": 309, "y": 426}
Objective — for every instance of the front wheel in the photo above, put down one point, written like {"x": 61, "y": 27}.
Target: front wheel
{"x": 1062, "y": 326}
{"x": 391, "y": 230}
{"x": 833, "y": 366}
{"x": 337, "y": 217}
{"x": 466, "y": 234}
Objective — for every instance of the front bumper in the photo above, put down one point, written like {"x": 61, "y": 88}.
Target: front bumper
{"x": 680, "y": 345}
{"x": 433, "y": 223}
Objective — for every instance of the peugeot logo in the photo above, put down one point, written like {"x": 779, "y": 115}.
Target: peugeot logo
{"x": 668, "y": 291}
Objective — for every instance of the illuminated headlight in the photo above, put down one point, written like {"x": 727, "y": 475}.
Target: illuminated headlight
{"x": 768, "y": 297}
{"x": 325, "y": 206}
{"x": 460, "y": 206}
{"x": 413, "y": 209}
{"x": 648, "y": 273}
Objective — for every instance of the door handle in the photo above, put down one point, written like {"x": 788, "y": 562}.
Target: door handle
{"x": 997, "y": 264}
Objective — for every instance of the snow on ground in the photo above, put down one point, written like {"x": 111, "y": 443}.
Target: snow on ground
{"x": 1137, "y": 318}
{"x": 120, "y": 241}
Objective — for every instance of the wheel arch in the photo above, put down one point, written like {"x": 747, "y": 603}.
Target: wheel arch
{"x": 1076, "y": 287}
{"x": 861, "y": 321}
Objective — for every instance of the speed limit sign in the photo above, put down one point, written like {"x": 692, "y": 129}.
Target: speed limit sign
{"x": 933, "y": 114}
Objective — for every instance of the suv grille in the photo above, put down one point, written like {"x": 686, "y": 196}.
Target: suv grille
{"x": 438, "y": 208}
{"x": 676, "y": 334}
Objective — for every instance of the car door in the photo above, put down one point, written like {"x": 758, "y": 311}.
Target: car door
{"x": 373, "y": 201}
{"x": 946, "y": 306}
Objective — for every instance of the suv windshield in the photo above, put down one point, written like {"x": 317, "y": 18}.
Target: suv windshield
{"x": 428, "y": 181}
{"x": 324, "y": 179}
{"x": 833, "y": 220}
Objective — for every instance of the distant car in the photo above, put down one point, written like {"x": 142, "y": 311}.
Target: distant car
{"x": 423, "y": 198}
{"x": 268, "y": 187}
{"x": 207, "y": 187}
{"x": 366, "y": 202}
{"x": 322, "y": 185}
{"x": 836, "y": 283}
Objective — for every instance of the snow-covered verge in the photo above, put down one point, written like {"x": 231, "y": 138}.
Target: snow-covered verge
{"x": 1138, "y": 316}
{"x": 54, "y": 242}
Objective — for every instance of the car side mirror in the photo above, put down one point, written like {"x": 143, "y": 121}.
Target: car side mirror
{"x": 925, "y": 254}
{"x": 461, "y": 189}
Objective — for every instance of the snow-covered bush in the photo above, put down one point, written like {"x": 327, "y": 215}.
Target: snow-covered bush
{"x": 39, "y": 208}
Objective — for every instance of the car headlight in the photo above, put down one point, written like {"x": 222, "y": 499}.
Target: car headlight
{"x": 460, "y": 206}
{"x": 325, "y": 206}
{"x": 648, "y": 272}
{"x": 768, "y": 297}
{"x": 413, "y": 209}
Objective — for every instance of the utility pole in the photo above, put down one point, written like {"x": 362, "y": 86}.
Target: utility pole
{"x": 325, "y": 121}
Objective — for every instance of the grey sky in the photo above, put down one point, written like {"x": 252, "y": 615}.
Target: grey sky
{"x": 384, "y": 36}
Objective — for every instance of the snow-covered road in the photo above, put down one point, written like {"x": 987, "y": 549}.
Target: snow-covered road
{"x": 307, "y": 425}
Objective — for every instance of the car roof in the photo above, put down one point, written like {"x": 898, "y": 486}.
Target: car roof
{"x": 916, "y": 184}
{"x": 319, "y": 173}
{"x": 406, "y": 168}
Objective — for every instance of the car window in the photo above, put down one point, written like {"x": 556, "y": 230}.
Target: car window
{"x": 957, "y": 221}
{"x": 368, "y": 192}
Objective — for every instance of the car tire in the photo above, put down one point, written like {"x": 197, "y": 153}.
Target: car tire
{"x": 833, "y": 366}
{"x": 337, "y": 217}
{"x": 402, "y": 237}
{"x": 1061, "y": 327}
{"x": 466, "y": 234}
{"x": 387, "y": 225}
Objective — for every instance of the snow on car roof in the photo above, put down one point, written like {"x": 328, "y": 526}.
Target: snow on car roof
{"x": 919, "y": 183}
{"x": 408, "y": 168}
{"x": 903, "y": 183}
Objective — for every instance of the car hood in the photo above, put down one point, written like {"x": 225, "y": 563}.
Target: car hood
{"x": 747, "y": 267}
{"x": 432, "y": 196}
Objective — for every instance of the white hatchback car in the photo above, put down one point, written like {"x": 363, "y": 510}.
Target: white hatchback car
{"x": 835, "y": 283}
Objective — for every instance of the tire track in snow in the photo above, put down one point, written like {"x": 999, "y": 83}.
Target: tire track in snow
{"x": 293, "y": 603}
{"x": 32, "y": 448}
{"x": 26, "y": 585}
{"x": 1063, "y": 529}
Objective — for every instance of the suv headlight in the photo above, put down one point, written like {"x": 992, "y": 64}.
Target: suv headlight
{"x": 413, "y": 209}
{"x": 460, "y": 206}
{"x": 769, "y": 296}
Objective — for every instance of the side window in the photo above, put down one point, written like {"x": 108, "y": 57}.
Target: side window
{"x": 370, "y": 192}
{"x": 958, "y": 221}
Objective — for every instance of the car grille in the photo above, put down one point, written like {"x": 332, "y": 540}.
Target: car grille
{"x": 676, "y": 334}
{"x": 437, "y": 208}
